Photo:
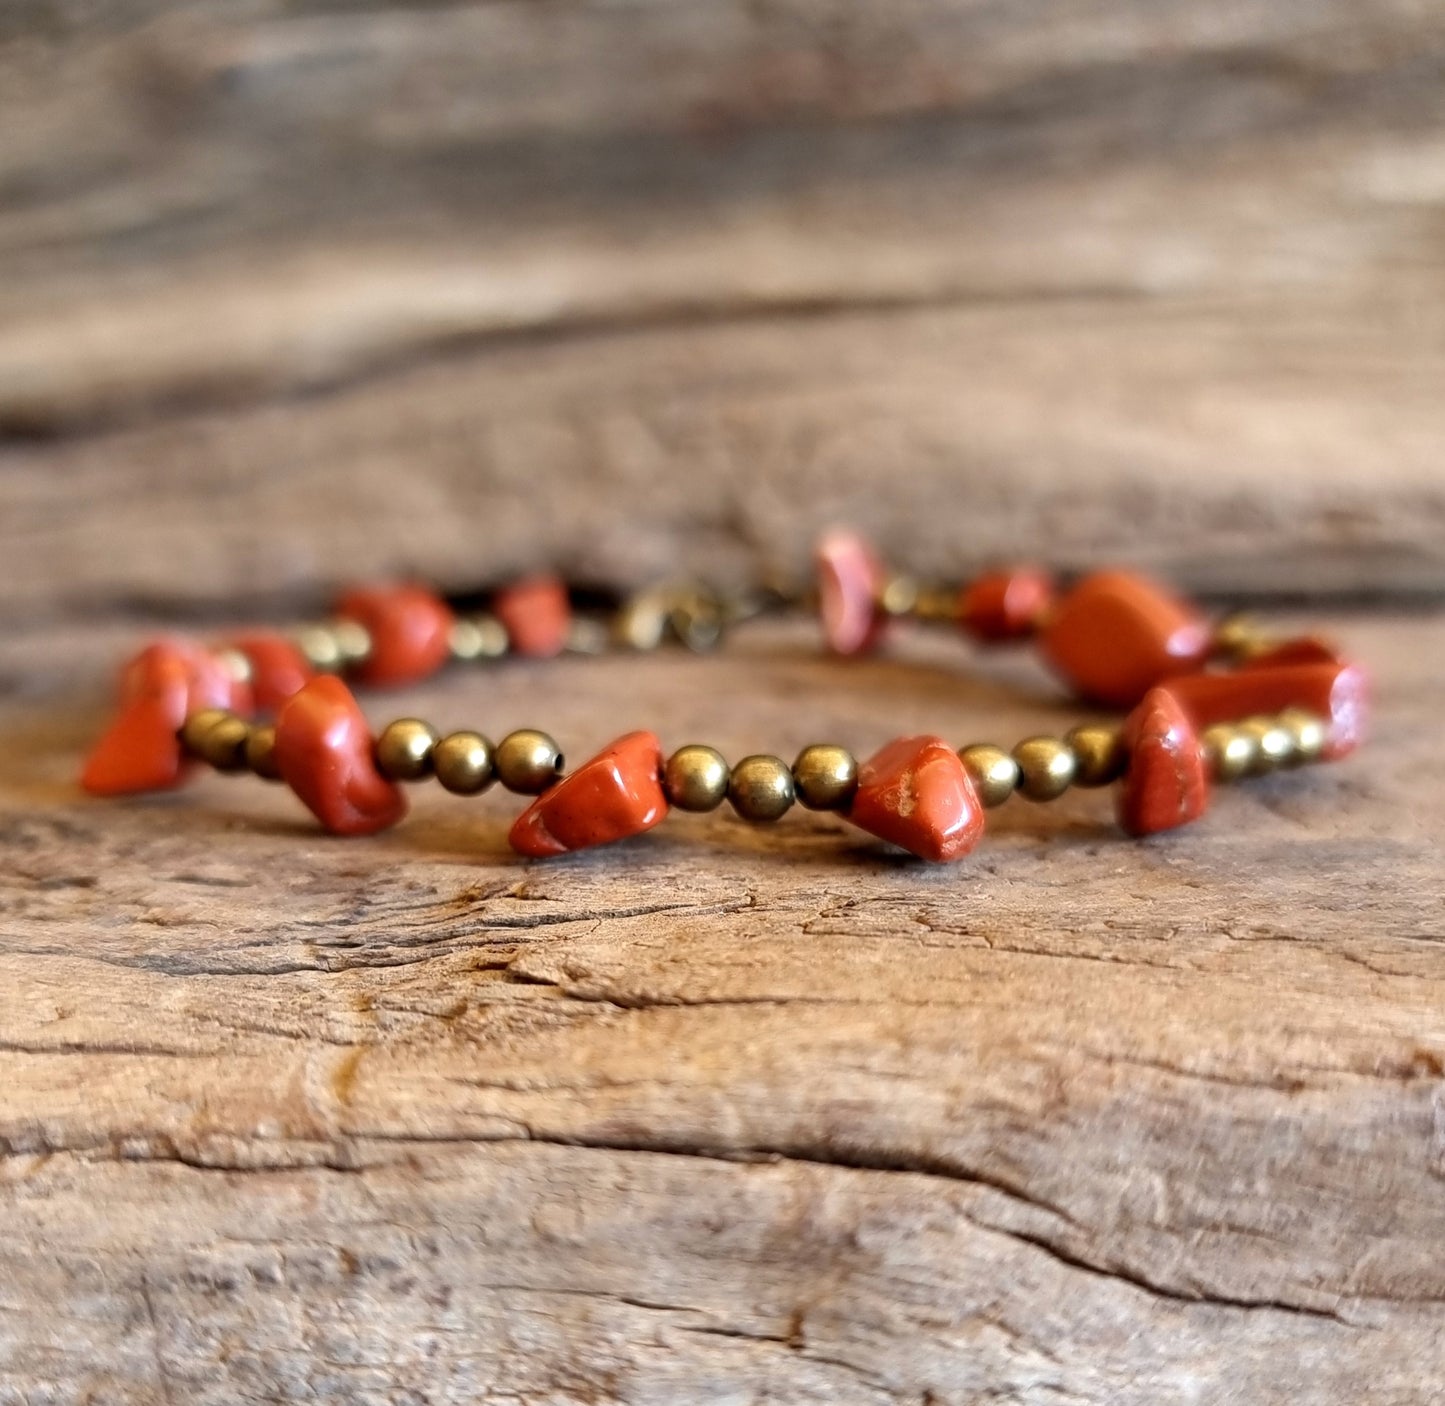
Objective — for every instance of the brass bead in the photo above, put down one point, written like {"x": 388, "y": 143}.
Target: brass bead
{"x": 696, "y": 778}
{"x": 899, "y": 596}
{"x": 825, "y": 777}
{"x": 994, "y": 773}
{"x": 1238, "y": 637}
{"x": 463, "y": 762}
{"x": 1308, "y": 733}
{"x": 761, "y": 788}
{"x": 938, "y": 605}
{"x": 261, "y": 752}
{"x": 1099, "y": 756}
{"x": 321, "y": 648}
{"x": 1046, "y": 767}
{"x": 475, "y": 637}
{"x": 527, "y": 761}
{"x": 404, "y": 749}
{"x": 218, "y": 738}
{"x": 353, "y": 641}
{"x": 1273, "y": 743}
{"x": 641, "y": 623}
{"x": 1229, "y": 752}
{"x": 235, "y": 663}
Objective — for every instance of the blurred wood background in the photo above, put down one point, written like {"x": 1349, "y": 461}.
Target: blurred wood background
{"x": 298, "y": 293}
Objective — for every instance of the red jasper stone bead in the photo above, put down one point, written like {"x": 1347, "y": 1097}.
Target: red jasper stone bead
{"x": 324, "y": 754}
{"x": 410, "y": 629}
{"x": 536, "y": 614}
{"x": 159, "y": 689}
{"x": 1117, "y": 634}
{"x": 1338, "y": 693}
{"x": 915, "y": 793}
{"x": 1005, "y": 605}
{"x": 1304, "y": 650}
{"x": 1167, "y": 782}
{"x": 850, "y": 581}
{"x": 278, "y": 667}
{"x": 616, "y": 794}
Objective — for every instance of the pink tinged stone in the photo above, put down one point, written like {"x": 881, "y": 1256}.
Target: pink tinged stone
{"x": 536, "y": 614}
{"x": 324, "y": 754}
{"x": 915, "y": 793}
{"x": 851, "y": 579}
{"x": 616, "y": 794}
{"x": 162, "y": 686}
{"x": 1167, "y": 782}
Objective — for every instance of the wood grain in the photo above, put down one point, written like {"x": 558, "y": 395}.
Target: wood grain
{"x": 723, "y": 1113}
{"x": 594, "y": 280}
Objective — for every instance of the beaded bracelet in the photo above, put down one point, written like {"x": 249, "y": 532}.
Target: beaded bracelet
{"x": 1203, "y": 705}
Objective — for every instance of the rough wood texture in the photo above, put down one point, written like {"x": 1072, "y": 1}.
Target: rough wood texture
{"x": 725, "y": 1116}
{"x": 1141, "y": 277}
{"x": 295, "y": 292}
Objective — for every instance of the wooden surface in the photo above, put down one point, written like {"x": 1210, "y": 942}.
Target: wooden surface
{"x": 295, "y": 293}
{"x": 598, "y": 281}
{"x": 725, "y": 1115}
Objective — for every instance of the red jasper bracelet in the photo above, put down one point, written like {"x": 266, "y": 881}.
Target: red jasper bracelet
{"x": 1203, "y": 705}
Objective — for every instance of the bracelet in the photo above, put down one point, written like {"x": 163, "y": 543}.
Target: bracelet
{"x": 1203, "y": 705}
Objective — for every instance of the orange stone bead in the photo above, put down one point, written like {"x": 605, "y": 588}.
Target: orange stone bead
{"x": 536, "y": 614}
{"x": 1304, "y": 650}
{"x": 915, "y": 793}
{"x": 159, "y": 689}
{"x": 324, "y": 754}
{"x": 410, "y": 630}
{"x": 1338, "y": 693}
{"x": 616, "y": 794}
{"x": 278, "y": 667}
{"x": 850, "y": 581}
{"x": 1117, "y": 634}
{"x": 1167, "y": 782}
{"x": 1005, "y": 605}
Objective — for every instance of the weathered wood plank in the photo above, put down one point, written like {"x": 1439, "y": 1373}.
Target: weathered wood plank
{"x": 724, "y": 1113}
{"x": 1092, "y": 280}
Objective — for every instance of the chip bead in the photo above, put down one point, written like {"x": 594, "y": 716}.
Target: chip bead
{"x": 408, "y": 627}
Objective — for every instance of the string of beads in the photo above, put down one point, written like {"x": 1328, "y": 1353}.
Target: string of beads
{"x": 1203, "y": 705}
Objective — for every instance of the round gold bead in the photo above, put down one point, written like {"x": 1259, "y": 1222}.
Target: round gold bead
{"x": 1307, "y": 732}
{"x": 464, "y": 763}
{"x": 474, "y": 637}
{"x": 261, "y": 752}
{"x": 899, "y": 596}
{"x": 218, "y": 738}
{"x": 528, "y": 761}
{"x": 696, "y": 778}
{"x": 235, "y": 662}
{"x": 641, "y": 623}
{"x": 1273, "y": 744}
{"x": 761, "y": 788}
{"x": 1229, "y": 753}
{"x": 1099, "y": 756}
{"x": 1238, "y": 637}
{"x": 1046, "y": 767}
{"x": 321, "y": 648}
{"x": 404, "y": 749}
{"x": 825, "y": 777}
{"x": 994, "y": 773}
{"x": 353, "y": 641}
